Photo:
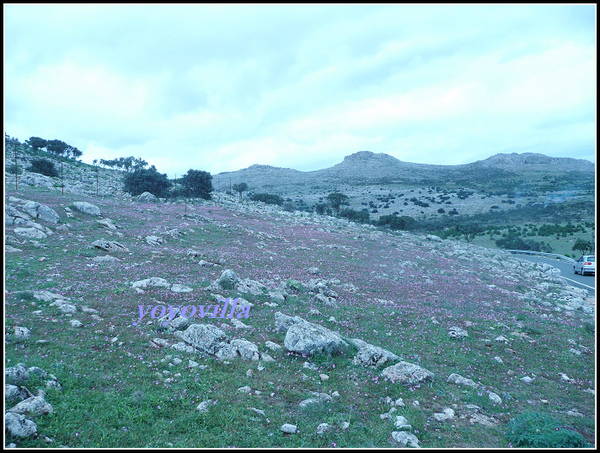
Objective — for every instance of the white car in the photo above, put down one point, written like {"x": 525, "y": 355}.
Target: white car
{"x": 585, "y": 265}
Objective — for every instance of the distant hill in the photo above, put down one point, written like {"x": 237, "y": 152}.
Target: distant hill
{"x": 366, "y": 167}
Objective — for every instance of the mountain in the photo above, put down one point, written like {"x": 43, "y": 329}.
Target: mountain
{"x": 366, "y": 168}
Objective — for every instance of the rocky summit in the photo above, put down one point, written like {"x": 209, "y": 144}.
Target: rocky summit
{"x": 137, "y": 323}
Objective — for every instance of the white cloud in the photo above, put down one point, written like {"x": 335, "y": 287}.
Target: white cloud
{"x": 225, "y": 86}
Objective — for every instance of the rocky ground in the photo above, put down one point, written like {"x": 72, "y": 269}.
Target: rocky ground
{"x": 344, "y": 335}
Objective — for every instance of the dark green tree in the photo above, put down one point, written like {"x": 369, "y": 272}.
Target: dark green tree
{"x": 337, "y": 199}
{"x": 146, "y": 180}
{"x": 240, "y": 188}
{"x": 197, "y": 183}
{"x": 36, "y": 143}
{"x": 583, "y": 246}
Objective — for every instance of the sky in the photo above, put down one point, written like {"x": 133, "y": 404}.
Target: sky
{"x": 221, "y": 87}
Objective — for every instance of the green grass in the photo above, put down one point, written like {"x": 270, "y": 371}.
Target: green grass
{"x": 111, "y": 394}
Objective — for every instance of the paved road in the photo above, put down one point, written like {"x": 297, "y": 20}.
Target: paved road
{"x": 566, "y": 270}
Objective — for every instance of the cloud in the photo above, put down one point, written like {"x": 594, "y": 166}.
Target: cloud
{"x": 301, "y": 86}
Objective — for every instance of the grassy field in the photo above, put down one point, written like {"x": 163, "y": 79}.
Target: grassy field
{"x": 395, "y": 290}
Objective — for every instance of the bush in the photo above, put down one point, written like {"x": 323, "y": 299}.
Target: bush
{"x": 44, "y": 167}
{"x": 267, "y": 198}
{"x": 355, "y": 216}
{"x": 536, "y": 430}
{"x": 197, "y": 183}
{"x": 12, "y": 169}
{"x": 146, "y": 180}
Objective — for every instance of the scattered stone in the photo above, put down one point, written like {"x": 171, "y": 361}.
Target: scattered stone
{"x": 322, "y": 428}
{"x": 154, "y": 240}
{"x": 288, "y": 428}
{"x": 307, "y": 338}
{"x": 147, "y": 197}
{"x": 109, "y": 246}
{"x": 324, "y": 377}
{"x": 459, "y": 380}
{"x": 406, "y": 439}
{"x": 402, "y": 423}
{"x": 407, "y": 373}
{"x": 457, "y": 332}
{"x": 35, "y": 405}
{"x": 177, "y": 288}
{"x": 19, "y": 426}
{"x": 22, "y": 333}
{"x": 40, "y": 211}
{"x": 527, "y": 379}
{"x": 241, "y": 348}
{"x": 203, "y": 406}
{"x": 206, "y": 337}
{"x": 271, "y": 345}
{"x": 16, "y": 375}
{"x": 495, "y": 398}
{"x": 31, "y": 233}
{"x": 371, "y": 356}
{"x": 228, "y": 280}
{"x": 152, "y": 281}
{"x": 447, "y": 414}
{"x": 108, "y": 223}
{"x": 76, "y": 323}
{"x": 245, "y": 389}
{"x": 87, "y": 208}
{"x": 15, "y": 393}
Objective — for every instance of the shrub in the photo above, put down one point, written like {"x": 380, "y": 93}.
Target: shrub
{"x": 533, "y": 429}
{"x": 12, "y": 169}
{"x": 44, "y": 167}
{"x": 267, "y": 198}
{"x": 146, "y": 180}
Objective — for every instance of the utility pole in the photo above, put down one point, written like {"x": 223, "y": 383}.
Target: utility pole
{"x": 62, "y": 180}
{"x": 16, "y": 167}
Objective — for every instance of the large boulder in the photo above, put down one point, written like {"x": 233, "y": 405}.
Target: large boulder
{"x": 35, "y": 405}
{"x": 15, "y": 393}
{"x": 228, "y": 279}
{"x": 19, "y": 426}
{"x": 16, "y": 375}
{"x": 40, "y": 211}
{"x": 308, "y": 338}
{"x": 371, "y": 356}
{"x": 31, "y": 233}
{"x": 35, "y": 179}
{"x": 87, "y": 208}
{"x": 407, "y": 373}
{"x": 239, "y": 348}
{"x": 147, "y": 197}
{"x": 205, "y": 337}
{"x": 152, "y": 281}
{"x": 284, "y": 322}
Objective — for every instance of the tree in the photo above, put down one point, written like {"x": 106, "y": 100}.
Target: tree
{"x": 197, "y": 183}
{"x": 583, "y": 246}
{"x": 469, "y": 231}
{"x": 146, "y": 180}
{"x": 337, "y": 199}
{"x": 36, "y": 143}
{"x": 242, "y": 187}
{"x": 267, "y": 198}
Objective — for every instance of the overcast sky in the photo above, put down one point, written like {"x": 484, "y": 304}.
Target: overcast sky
{"x": 222, "y": 87}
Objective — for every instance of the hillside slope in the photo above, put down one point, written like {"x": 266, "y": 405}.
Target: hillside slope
{"x": 373, "y": 300}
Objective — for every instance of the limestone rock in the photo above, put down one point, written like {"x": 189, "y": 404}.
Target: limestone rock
{"x": 406, "y": 439}
{"x": 31, "y": 233}
{"x": 19, "y": 426}
{"x": 447, "y": 414}
{"x": 288, "y": 428}
{"x": 40, "y": 211}
{"x": 228, "y": 279}
{"x": 35, "y": 405}
{"x": 87, "y": 208}
{"x": 15, "y": 393}
{"x": 459, "y": 380}
{"x": 407, "y": 373}
{"x": 206, "y": 337}
{"x": 239, "y": 348}
{"x": 307, "y": 338}
{"x": 109, "y": 246}
{"x": 372, "y": 356}
{"x": 147, "y": 197}
{"x": 152, "y": 281}
{"x": 16, "y": 375}
{"x": 457, "y": 332}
